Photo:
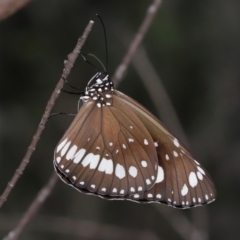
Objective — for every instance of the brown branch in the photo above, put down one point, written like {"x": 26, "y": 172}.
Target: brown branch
{"x": 9, "y": 7}
{"x": 68, "y": 64}
{"x": 151, "y": 13}
{"x": 33, "y": 209}
{"x": 168, "y": 114}
{"x": 158, "y": 94}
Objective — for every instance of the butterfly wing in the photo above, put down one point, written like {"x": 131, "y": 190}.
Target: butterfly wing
{"x": 181, "y": 181}
{"x": 107, "y": 151}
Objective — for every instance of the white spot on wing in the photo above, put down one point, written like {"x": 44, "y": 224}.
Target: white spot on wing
{"x": 176, "y": 143}
{"x": 156, "y": 144}
{"x": 145, "y": 142}
{"x": 58, "y": 159}
{"x": 184, "y": 190}
{"x": 79, "y": 155}
{"x": 144, "y": 163}
{"x": 201, "y": 170}
{"x": 111, "y": 144}
{"x": 132, "y": 189}
{"x": 130, "y": 140}
{"x": 148, "y": 181}
{"x": 175, "y": 154}
{"x": 71, "y": 152}
{"x": 65, "y": 148}
{"x": 200, "y": 176}
{"x": 193, "y": 179}
{"x": 92, "y": 160}
{"x": 150, "y": 195}
{"x": 120, "y": 171}
{"x": 133, "y": 171}
{"x": 104, "y": 189}
{"x": 92, "y": 186}
{"x": 60, "y": 146}
{"x": 136, "y": 196}
{"x": 122, "y": 191}
{"x": 124, "y": 146}
{"x": 114, "y": 190}
{"x": 158, "y": 196}
{"x": 167, "y": 157}
{"x": 106, "y": 166}
{"x": 160, "y": 175}
{"x": 196, "y": 162}
{"x": 140, "y": 188}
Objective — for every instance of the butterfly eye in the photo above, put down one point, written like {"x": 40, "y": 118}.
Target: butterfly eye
{"x": 116, "y": 149}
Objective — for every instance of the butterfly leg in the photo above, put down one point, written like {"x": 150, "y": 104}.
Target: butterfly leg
{"x": 75, "y": 93}
{"x": 61, "y": 113}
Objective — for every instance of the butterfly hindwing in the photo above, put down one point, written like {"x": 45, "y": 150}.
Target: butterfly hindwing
{"x": 181, "y": 181}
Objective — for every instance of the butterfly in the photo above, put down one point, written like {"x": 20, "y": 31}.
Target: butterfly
{"x": 116, "y": 149}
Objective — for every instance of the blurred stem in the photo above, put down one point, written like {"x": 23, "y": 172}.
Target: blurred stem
{"x": 9, "y": 7}
{"x": 33, "y": 209}
{"x": 150, "y": 14}
{"x": 80, "y": 228}
{"x": 158, "y": 94}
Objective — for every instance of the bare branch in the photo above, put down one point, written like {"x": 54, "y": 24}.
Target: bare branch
{"x": 9, "y": 7}
{"x": 81, "y": 228}
{"x": 158, "y": 94}
{"x": 33, "y": 209}
{"x": 181, "y": 224}
{"x": 151, "y": 13}
{"x": 68, "y": 64}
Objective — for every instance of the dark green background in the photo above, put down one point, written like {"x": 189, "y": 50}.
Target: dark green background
{"x": 195, "y": 49}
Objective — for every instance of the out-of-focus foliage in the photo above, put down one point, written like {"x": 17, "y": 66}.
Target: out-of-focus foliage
{"x": 195, "y": 48}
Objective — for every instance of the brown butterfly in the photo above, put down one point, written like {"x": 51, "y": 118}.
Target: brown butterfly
{"x": 116, "y": 149}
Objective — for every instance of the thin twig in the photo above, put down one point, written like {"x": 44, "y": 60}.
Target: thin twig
{"x": 151, "y": 13}
{"x": 158, "y": 94}
{"x": 168, "y": 114}
{"x": 68, "y": 64}
{"x": 33, "y": 209}
{"x": 9, "y": 7}
{"x": 80, "y": 228}
{"x": 181, "y": 224}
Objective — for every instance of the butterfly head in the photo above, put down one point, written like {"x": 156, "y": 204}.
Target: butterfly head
{"x": 99, "y": 88}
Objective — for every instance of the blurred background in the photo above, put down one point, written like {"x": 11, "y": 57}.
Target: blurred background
{"x": 194, "y": 47}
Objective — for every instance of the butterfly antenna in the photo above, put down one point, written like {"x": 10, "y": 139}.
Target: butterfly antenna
{"x": 83, "y": 55}
{"x": 105, "y": 37}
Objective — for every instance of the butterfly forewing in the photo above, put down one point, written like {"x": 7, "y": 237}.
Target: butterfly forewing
{"x": 116, "y": 149}
{"x": 107, "y": 151}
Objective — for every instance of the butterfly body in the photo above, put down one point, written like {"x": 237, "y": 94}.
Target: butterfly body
{"x": 116, "y": 149}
